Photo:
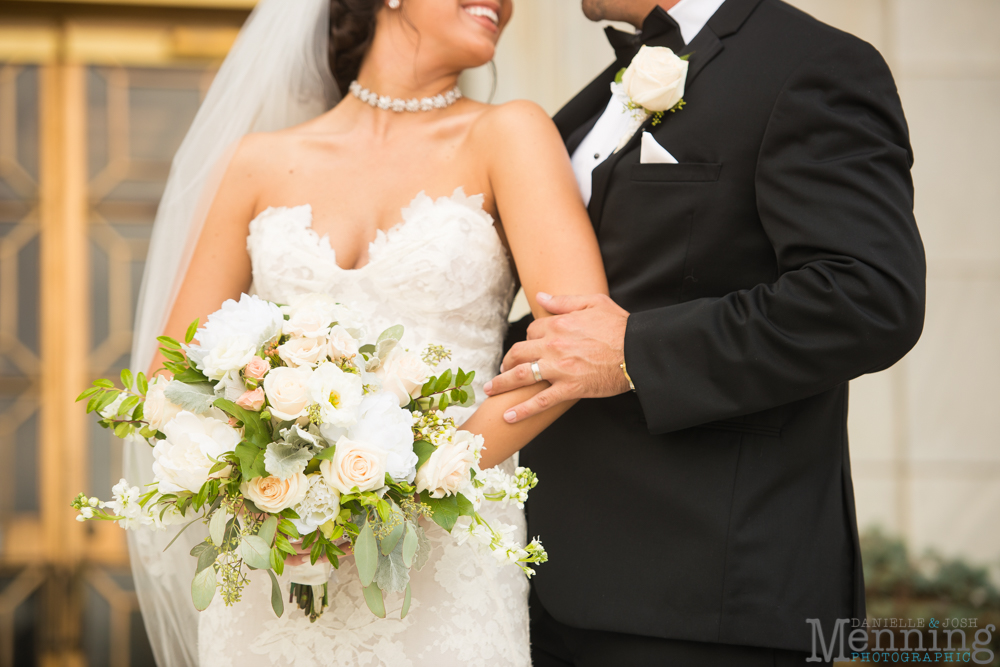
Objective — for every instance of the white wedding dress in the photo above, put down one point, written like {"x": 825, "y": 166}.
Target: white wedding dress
{"x": 445, "y": 276}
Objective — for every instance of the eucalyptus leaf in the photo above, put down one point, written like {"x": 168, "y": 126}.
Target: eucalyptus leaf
{"x": 256, "y": 552}
{"x": 392, "y": 574}
{"x": 277, "y": 603}
{"x": 196, "y": 398}
{"x": 410, "y": 543}
{"x": 384, "y": 347}
{"x": 406, "y": 603}
{"x": 392, "y": 333}
{"x": 283, "y": 460}
{"x": 217, "y": 527}
{"x": 206, "y": 558}
{"x": 203, "y": 588}
{"x": 267, "y": 529}
{"x": 389, "y": 541}
{"x": 366, "y": 555}
{"x": 373, "y": 598}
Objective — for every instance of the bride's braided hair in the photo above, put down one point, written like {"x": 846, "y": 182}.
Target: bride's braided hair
{"x": 352, "y": 27}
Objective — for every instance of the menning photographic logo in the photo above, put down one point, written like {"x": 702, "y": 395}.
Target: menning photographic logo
{"x": 948, "y": 641}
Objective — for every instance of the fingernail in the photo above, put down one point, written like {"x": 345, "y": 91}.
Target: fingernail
{"x": 510, "y": 416}
{"x": 542, "y": 296}
{"x": 488, "y": 387}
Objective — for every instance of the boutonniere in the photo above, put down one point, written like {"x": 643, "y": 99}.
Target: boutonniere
{"x": 652, "y": 84}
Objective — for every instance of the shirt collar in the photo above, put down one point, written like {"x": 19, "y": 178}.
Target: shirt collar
{"x": 690, "y": 15}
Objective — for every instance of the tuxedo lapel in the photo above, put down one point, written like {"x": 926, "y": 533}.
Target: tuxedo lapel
{"x": 586, "y": 104}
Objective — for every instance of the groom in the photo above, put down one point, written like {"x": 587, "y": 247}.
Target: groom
{"x": 761, "y": 251}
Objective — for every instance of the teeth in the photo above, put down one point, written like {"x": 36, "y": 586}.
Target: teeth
{"x": 479, "y": 10}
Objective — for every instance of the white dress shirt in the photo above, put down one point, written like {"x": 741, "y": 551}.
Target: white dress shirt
{"x": 691, "y": 16}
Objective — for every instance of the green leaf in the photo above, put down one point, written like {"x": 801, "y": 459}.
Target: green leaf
{"x": 288, "y": 528}
{"x": 172, "y": 355}
{"x": 196, "y": 398}
{"x": 468, "y": 398}
{"x": 392, "y": 574}
{"x": 258, "y": 469}
{"x": 127, "y": 379}
{"x": 206, "y": 558}
{"x": 139, "y": 412}
{"x": 406, "y": 603}
{"x": 217, "y": 527}
{"x": 443, "y": 402}
{"x": 423, "y": 449}
{"x": 281, "y": 542}
{"x": 189, "y": 336}
{"x": 106, "y": 399}
{"x": 620, "y": 74}
{"x": 443, "y": 382}
{"x": 428, "y": 387}
{"x": 123, "y": 430}
{"x": 277, "y": 561}
{"x": 189, "y": 375}
{"x": 368, "y": 349}
{"x": 373, "y": 598}
{"x": 254, "y": 430}
{"x": 88, "y": 393}
{"x": 128, "y": 405}
{"x": 255, "y": 552}
{"x": 316, "y": 552}
{"x": 460, "y": 378}
{"x": 267, "y": 529}
{"x": 247, "y": 454}
{"x": 277, "y": 601}
{"x": 469, "y": 378}
{"x": 167, "y": 341}
{"x": 104, "y": 382}
{"x": 410, "y": 543}
{"x": 366, "y": 557}
{"x": 445, "y": 509}
{"x": 326, "y": 454}
{"x": 465, "y": 507}
{"x": 392, "y": 333}
{"x": 203, "y": 588}
{"x": 389, "y": 541}
{"x": 142, "y": 383}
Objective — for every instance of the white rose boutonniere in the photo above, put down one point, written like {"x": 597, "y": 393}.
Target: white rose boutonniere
{"x": 653, "y": 83}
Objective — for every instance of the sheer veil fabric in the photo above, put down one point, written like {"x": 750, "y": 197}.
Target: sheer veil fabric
{"x": 277, "y": 75}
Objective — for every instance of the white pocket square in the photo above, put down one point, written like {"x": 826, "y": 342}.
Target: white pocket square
{"x": 653, "y": 153}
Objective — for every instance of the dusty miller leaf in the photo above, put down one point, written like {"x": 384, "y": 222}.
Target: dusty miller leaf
{"x": 392, "y": 574}
{"x": 283, "y": 460}
{"x": 196, "y": 398}
{"x": 423, "y": 549}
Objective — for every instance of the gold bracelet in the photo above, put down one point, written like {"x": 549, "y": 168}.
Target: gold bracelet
{"x": 625, "y": 371}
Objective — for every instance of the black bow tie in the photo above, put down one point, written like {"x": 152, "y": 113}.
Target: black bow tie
{"x": 659, "y": 27}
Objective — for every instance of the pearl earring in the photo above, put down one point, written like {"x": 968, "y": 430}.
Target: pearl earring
{"x": 393, "y": 4}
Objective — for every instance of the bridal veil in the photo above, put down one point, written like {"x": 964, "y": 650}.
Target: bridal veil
{"x": 277, "y": 75}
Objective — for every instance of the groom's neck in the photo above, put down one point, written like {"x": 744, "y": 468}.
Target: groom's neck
{"x": 626, "y": 11}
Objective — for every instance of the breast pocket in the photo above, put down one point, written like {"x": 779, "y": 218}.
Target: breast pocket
{"x": 685, "y": 172}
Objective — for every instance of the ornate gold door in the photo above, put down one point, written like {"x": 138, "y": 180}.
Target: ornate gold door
{"x": 94, "y": 100}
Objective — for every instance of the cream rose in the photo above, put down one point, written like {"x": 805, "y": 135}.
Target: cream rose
{"x": 655, "y": 78}
{"x": 273, "y": 494}
{"x": 303, "y": 351}
{"x": 256, "y": 368}
{"x": 355, "y": 464}
{"x": 286, "y": 392}
{"x": 447, "y": 469}
{"x": 403, "y": 373}
{"x": 157, "y": 410}
{"x": 310, "y": 315}
{"x": 342, "y": 343}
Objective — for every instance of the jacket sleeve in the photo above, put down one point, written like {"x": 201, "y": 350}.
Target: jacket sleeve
{"x": 835, "y": 198}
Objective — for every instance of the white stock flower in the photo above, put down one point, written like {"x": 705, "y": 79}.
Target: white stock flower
{"x": 655, "y": 78}
{"x": 273, "y": 494}
{"x": 182, "y": 460}
{"x": 125, "y": 503}
{"x": 403, "y": 373}
{"x": 303, "y": 351}
{"x": 157, "y": 410}
{"x": 287, "y": 392}
{"x": 446, "y": 472}
{"x": 383, "y": 424}
{"x": 355, "y": 464}
{"x": 338, "y": 394}
{"x": 236, "y": 327}
{"x": 320, "y": 504}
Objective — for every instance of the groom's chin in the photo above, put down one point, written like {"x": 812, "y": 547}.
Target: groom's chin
{"x": 594, "y": 9}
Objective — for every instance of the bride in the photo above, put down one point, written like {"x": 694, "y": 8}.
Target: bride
{"x": 405, "y": 201}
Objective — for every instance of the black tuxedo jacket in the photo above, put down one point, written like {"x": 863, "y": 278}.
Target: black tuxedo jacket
{"x": 778, "y": 260}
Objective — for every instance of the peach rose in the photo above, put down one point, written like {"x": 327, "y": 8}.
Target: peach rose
{"x": 252, "y": 400}
{"x": 257, "y": 368}
{"x": 355, "y": 464}
{"x": 273, "y": 494}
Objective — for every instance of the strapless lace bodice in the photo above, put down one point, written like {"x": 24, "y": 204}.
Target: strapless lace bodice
{"x": 443, "y": 274}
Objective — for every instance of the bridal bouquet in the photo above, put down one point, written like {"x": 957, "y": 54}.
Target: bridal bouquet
{"x": 287, "y": 433}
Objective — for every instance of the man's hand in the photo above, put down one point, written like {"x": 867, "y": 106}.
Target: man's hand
{"x": 579, "y": 351}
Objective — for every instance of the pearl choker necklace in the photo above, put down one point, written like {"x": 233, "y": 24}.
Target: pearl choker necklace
{"x": 399, "y": 105}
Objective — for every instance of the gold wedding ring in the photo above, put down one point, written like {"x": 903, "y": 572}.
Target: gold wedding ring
{"x": 536, "y": 371}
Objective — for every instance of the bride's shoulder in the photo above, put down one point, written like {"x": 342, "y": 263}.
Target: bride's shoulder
{"x": 516, "y": 126}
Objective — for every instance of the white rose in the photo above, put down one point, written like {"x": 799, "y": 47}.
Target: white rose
{"x": 251, "y": 319}
{"x": 383, "y": 424}
{"x": 157, "y": 410}
{"x": 447, "y": 469}
{"x": 355, "y": 464}
{"x": 303, "y": 351}
{"x": 229, "y": 354}
{"x": 310, "y": 315}
{"x": 286, "y": 391}
{"x": 337, "y": 393}
{"x": 342, "y": 343}
{"x": 183, "y": 459}
{"x": 655, "y": 78}
{"x": 273, "y": 494}
{"x": 403, "y": 373}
